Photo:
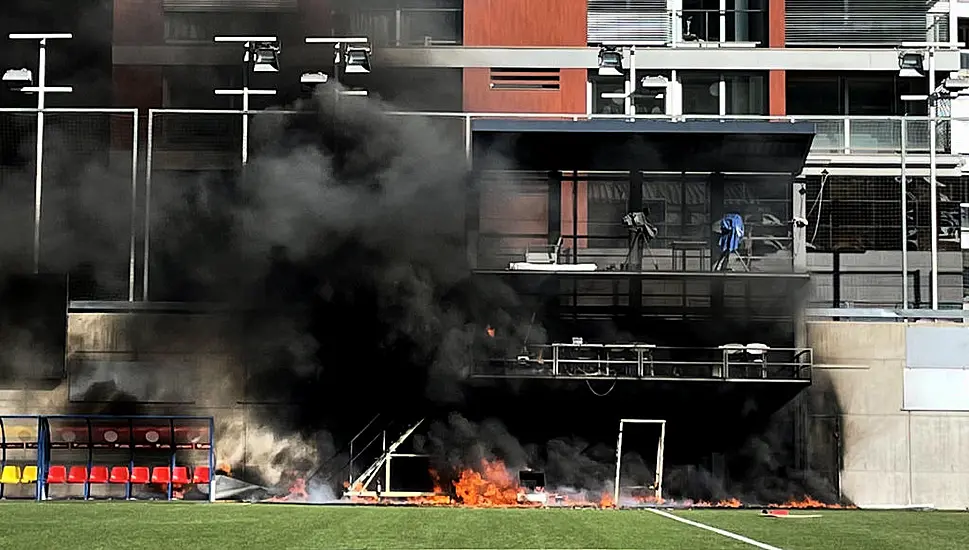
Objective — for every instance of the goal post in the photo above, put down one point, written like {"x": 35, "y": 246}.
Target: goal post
{"x": 658, "y": 483}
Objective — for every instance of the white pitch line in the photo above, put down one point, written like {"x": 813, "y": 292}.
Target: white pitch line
{"x": 728, "y": 534}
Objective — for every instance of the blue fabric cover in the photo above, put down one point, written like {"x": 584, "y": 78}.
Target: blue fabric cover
{"x": 731, "y": 232}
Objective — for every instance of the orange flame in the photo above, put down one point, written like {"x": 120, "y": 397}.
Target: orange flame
{"x": 808, "y": 502}
{"x": 297, "y": 493}
{"x": 491, "y": 331}
{"x": 606, "y": 501}
{"x": 493, "y": 486}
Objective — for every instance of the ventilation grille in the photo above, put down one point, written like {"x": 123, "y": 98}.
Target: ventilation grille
{"x": 525, "y": 79}
{"x": 855, "y": 22}
{"x": 228, "y": 5}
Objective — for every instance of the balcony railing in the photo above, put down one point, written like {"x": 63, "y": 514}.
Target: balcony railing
{"x": 628, "y": 362}
{"x": 835, "y": 134}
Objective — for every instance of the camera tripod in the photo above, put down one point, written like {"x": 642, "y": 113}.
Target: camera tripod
{"x": 640, "y": 236}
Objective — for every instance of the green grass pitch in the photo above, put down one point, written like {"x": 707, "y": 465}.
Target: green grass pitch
{"x": 132, "y": 526}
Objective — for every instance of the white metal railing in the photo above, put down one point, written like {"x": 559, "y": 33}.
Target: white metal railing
{"x": 121, "y": 123}
{"x": 835, "y": 134}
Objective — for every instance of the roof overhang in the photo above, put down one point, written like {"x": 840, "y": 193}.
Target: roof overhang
{"x": 648, "y": 145}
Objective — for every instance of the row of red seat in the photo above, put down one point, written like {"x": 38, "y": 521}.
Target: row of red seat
{"x": 121, "y": 474}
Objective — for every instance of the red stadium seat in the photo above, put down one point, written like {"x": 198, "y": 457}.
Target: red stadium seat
{"x": 99, "y": 474}
{"x": 139, "y": 474}
{"x": 180, "y": 475}
{"x": 57, "y": 474}
{"x": 161, "y": 474}
{"x": 201, "y": 474}
{"x": 119, "y": 474}
{"x": 77, "y": 474}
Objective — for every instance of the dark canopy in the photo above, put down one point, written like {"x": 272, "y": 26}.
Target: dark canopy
{"x": 649, "y": 145}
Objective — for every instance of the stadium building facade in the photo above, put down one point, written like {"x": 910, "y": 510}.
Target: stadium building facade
{"x": 782, "y": 110}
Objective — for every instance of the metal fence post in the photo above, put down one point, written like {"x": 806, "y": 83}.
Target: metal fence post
{"x": 148, "y": 166}
{"x": 134, "y": 207}
{"x": 904, "y": 215}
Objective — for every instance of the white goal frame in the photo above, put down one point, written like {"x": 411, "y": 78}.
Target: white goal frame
{"x": 658, "y": 483}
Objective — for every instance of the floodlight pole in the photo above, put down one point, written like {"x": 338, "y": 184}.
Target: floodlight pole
{"x": 41, "y": 89}
{"x": 933, "y": 182}
{"x": 933, "y": 98}
{"x": 245, "y": 92}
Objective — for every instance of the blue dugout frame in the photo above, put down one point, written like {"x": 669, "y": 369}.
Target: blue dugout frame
{"x": 44, "y": 446}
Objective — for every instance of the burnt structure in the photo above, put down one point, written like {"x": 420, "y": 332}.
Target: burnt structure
{"x": 616, "y": 304}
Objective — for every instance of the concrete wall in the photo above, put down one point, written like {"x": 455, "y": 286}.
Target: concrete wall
{"x": 158, "y": 345}
{"x": 889, "y": 456}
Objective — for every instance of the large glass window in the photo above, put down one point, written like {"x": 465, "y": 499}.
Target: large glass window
{"x": 745, "y": 94}
{"x": 701, "y": 93}
{"x": 202, "y": 27}
{"x": 647, "y": 100}
{"x": 408, "y": 22}
{"x": 813, "y": 95}
{"x": 746, "y": 21}
{"x": 725, "y": 21}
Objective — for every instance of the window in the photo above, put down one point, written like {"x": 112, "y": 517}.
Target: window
{"x": 873, "y": 94}
{"x": 647, "y": 100}
{"x": 701, "y": 93}
{"x": 725, "y": 21}
{"x": 408, "y": 22}
{"x": 192, "y": 27}
{"x": 746, "y": 94}
{"x": 811, "y": 95}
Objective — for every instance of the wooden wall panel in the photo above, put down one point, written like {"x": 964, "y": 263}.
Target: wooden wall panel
{"x": 480, "y": 98}
{"x": 138, "y": 22}
{"x": 525, "y": 22}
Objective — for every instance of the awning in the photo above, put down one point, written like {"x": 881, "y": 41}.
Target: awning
{"x": 648, "y": 145}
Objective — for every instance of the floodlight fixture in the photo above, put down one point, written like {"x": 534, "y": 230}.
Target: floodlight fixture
{"x": 18, "y": 79}
{"x": 955, "y": 85}
{"x": 314, "y": 79}
{"x": 265, "y": 57}
{"x": 610, "y": 61}
{"x": 357, "y": 60}
{"x": 910, "y": 62}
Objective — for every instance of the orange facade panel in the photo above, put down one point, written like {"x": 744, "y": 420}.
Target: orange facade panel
{"x": 481, "y": 96}
{"x": 511, "y": 23}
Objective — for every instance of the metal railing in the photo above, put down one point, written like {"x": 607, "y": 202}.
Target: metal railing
{"x": 91, "y": 157}
{"x": 639, "y": 361}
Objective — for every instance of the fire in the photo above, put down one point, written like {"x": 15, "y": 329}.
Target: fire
{"x": 493, "y": 486}
{"x": 607, "y": 501}
{"x": 297, "y": 493}
{"x": 649, "y": 499}
{"x": 729, "y": 503}
{"x": 491, "y": 331}
{"x": 808, "y": 502}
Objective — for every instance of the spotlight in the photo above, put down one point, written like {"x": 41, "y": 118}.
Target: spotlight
{"x": 357, "y": 60}
{"x": 265, "y": 57}
{"x": 910, "y": 62}
{"x": 610, "y": 61}
{"x": 18, "y": 79}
